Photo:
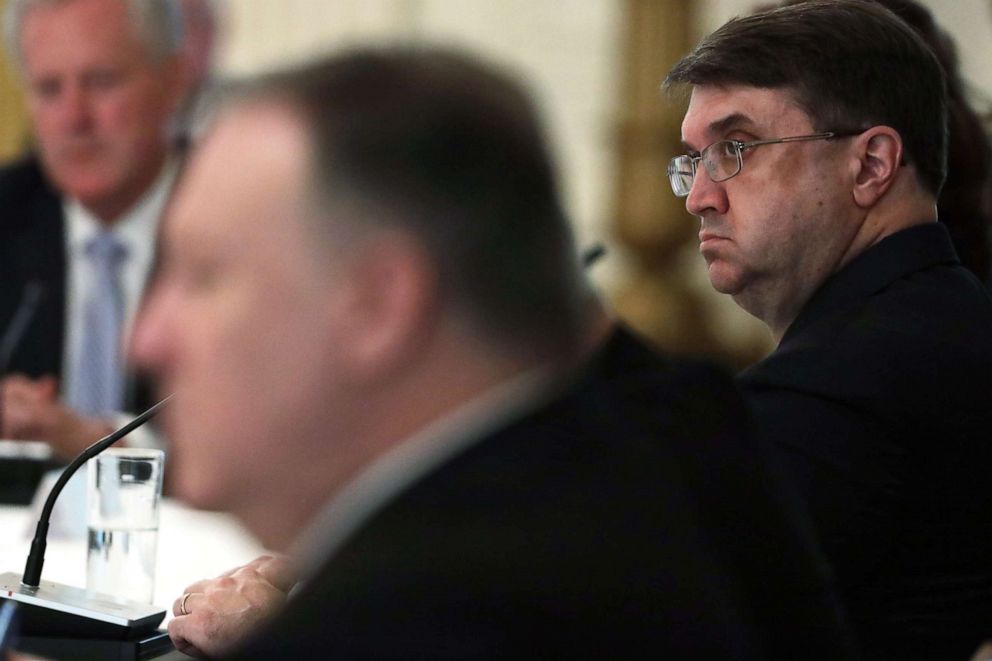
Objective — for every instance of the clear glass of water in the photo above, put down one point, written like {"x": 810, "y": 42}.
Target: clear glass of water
{"x": 125, "y": 489}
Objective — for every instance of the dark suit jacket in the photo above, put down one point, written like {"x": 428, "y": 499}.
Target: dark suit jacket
{"x": 880, "y": 399}
{"x": 32, "y": 249}
{"x": 632, "y": 516}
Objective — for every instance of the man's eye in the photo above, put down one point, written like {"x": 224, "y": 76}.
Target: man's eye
{"x": 103, "y": 79}
{"x": 46, "y": 89}
{"x": 728, "y": 149}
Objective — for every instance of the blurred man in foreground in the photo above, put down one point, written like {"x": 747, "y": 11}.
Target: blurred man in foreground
{"x": 816, "y": 149}
{"x": 387, "y": 364}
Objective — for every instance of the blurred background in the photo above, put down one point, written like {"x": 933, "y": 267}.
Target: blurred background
{"x": 594, "y": 67}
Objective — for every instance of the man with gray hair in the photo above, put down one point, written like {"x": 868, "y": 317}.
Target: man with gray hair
{"x": 103, "y": 79}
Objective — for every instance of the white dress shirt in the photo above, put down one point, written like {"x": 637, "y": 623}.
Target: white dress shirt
{"x": 136, "y": 229}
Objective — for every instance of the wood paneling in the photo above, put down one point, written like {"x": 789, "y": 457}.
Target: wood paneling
{"x": 13, "y": 119}
{"x": 667, "y": 297}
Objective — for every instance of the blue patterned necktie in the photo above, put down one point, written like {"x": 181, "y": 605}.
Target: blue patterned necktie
{"x": 97, "y": 383}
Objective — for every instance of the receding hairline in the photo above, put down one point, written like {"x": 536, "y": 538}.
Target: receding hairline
{"x": 156, "y": 25}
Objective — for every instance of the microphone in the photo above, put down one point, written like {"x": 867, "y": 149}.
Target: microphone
{"x": 592, "y": 254}
{"x": 55, "y": 610}
{"x": 31, "y": 297}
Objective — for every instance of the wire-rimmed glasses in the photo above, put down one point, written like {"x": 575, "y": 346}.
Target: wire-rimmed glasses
{"x": 723, "y": 159}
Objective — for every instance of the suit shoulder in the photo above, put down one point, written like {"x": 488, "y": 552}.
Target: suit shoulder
{"x": 26, "y": 197}
{"x": 933, "y": 323}
{"x": 23, "y": 180}
{"x": 633, "y": 361}
{"x": 632, "y": 389}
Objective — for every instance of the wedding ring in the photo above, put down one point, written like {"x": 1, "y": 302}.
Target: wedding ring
{"x": 182, "y": 604}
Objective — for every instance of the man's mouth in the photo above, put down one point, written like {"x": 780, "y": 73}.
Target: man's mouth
{"x": 79, "y": 150}
{"x": 710, "y": 237}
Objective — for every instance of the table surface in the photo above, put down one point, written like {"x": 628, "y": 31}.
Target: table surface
{"x": 191, "y": 545}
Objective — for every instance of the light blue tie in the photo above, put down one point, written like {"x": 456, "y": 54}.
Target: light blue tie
{"x": 97, "y": 378}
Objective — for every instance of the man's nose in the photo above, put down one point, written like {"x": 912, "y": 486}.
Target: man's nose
{"x": 152, "y": 338}
{"x": 706, "y": 195}
{"x": 76, "y": 108}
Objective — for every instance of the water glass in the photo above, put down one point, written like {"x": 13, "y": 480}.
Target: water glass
{"x": 125, "y": 489}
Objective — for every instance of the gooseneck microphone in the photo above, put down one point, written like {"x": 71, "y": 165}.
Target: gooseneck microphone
{"x": 36, "y": 557}
{"x": 52, "y": 609}
{"x": 31, "y": 298}
{"x": 592, "y": 254}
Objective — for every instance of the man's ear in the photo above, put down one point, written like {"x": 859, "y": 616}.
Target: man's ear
{"x": 879, "y": 155}
{"x": 177, "y": 79}
{"x": 391, "y": 306}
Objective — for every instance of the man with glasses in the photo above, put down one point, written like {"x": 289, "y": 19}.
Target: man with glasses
{"x": 816, "y": 148}
{"x": 388, "y": 365}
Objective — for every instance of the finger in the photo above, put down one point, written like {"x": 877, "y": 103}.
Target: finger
{"x": 177, "y": 633}
{"x": 186, "y": 601}
{"x": 16, "y": 389}
{"x": 199, "y": 586}
{"x": 47, "y": 387}
{"x": 177, "y": 605}
{"x": 260, "y": 560}
{"x": 23, "y": 386}
{"x": 15, "y": 380}
{"x": 255, "y": 565}
{"x": 240, "y": 568}
{"x": 274, "y": 569}
{"x": 234, "y": 570}
{"x": 19, "y": 412}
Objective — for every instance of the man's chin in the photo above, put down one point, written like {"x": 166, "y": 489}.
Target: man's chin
{"x": 723, "y": 279}
{"x": 91, "y": 192}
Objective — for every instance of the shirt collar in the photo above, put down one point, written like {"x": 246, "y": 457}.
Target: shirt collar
{"x": 136, "y": 226}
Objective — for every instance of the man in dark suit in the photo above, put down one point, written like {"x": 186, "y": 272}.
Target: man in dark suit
{"x": 388, "y": 365}
{"x": 821, "y": 132}
{"x": 102, "y": 81}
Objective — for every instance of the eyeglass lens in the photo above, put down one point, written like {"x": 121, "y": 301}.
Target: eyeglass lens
{"x": 721, "y": 160}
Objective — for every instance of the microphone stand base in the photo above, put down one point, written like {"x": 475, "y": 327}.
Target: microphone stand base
{"x": 144, "y": 646}
{"x": 56, "y": 610}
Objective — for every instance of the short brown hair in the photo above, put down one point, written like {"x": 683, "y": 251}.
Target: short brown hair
{"x": 850, "y": 65}
{"x": 450, "y": 149}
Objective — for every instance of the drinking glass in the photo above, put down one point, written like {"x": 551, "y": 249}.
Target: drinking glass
{"x": 125, "y": 489}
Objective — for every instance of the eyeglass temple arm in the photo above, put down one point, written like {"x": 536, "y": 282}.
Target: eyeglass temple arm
{"x": 803, "y": 138}
{"x": 792, "y": 138}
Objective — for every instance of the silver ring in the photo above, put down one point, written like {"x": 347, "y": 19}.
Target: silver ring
{"x": 182, "y": 604}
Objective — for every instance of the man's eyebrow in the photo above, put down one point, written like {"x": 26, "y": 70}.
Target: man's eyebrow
{"x": 725, "y": 125}
{"x": 731, "y": 122}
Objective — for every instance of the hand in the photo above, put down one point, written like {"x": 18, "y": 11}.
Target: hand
{"x": 31, "y": 410}
{"x": 983, "y": 653}
{"x": 222, "y": 611}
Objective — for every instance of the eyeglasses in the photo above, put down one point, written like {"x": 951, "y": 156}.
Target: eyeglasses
{"x": 723, "y": 159}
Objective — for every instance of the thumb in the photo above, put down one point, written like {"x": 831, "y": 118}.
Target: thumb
{"x": 48, "y": 386}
